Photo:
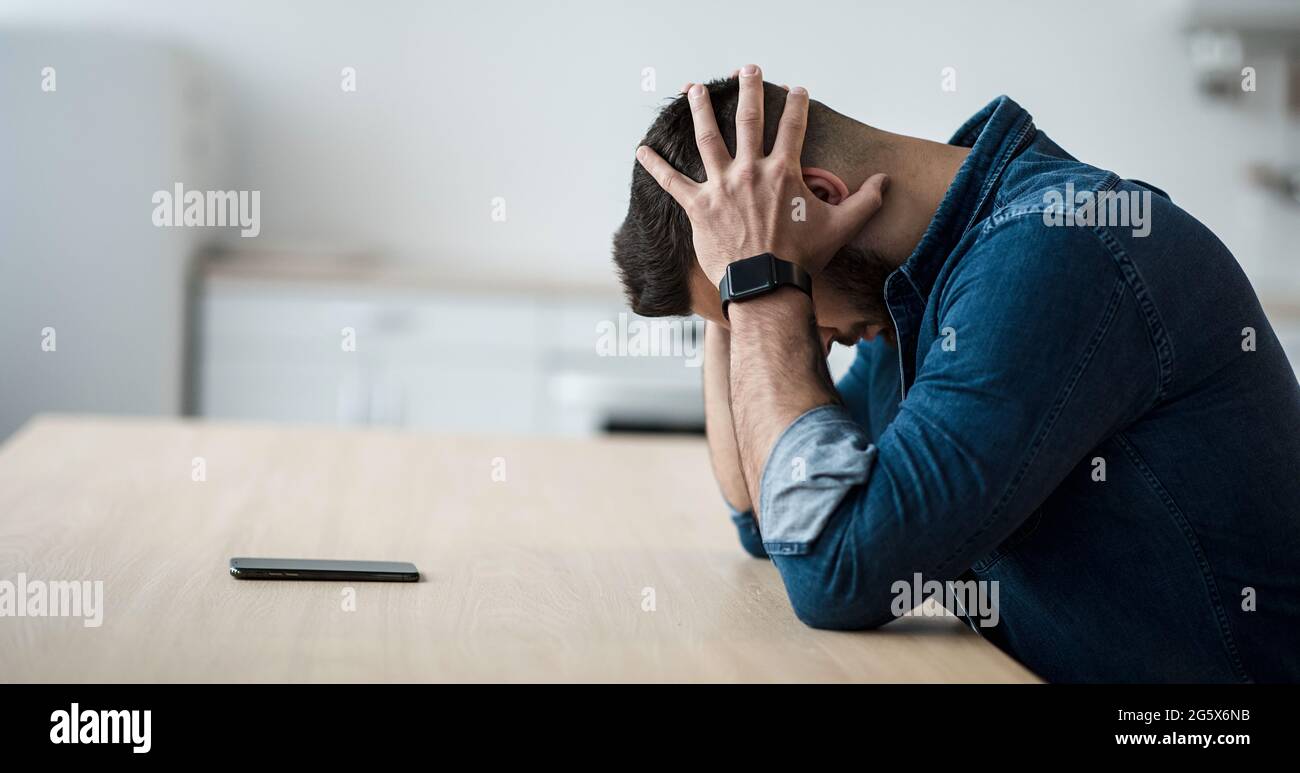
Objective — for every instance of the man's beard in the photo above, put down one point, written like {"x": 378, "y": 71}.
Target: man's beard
{"x": 860, "y": 275}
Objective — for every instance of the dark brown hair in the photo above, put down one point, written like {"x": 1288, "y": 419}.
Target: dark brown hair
{"x": 652, "y": 249}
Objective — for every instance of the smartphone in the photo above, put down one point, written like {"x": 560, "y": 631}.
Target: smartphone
{"x": 312, "y": 569}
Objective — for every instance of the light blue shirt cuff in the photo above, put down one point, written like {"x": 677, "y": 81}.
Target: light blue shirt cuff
{"x": 815, "y": 462}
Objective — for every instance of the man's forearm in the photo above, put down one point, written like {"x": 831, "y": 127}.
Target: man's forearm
{"x": 723, "y": 452}
{"x": 778, "y": 373}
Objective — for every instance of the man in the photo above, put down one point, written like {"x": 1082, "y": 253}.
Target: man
{"x": 1065, "y": 388}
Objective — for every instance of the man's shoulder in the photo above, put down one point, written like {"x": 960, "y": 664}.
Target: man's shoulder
{"x": 1019, "y": 267}
{"x": 1027, "y": 240}
{"x": 1044, "y": 186}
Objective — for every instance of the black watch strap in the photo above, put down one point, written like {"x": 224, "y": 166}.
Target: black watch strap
{"x": 760, "y": 275}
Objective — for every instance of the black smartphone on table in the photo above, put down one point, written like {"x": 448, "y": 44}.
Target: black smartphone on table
{"x": 315, "y": 569}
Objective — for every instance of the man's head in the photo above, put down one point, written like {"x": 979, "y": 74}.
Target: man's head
{"x": 653, "y": 249}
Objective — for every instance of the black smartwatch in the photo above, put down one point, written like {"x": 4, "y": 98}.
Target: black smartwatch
{"x": 760, "y": 275}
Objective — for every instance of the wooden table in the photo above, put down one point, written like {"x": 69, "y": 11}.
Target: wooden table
{"x": 592, "y": 560}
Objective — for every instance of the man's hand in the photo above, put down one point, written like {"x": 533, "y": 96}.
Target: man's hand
{"x": 748, "y": 205}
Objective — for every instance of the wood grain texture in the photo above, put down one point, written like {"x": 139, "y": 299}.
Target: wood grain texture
{"x": 539, "y": 577}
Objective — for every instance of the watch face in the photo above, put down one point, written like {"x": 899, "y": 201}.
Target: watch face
{"x": 751, "y": 275}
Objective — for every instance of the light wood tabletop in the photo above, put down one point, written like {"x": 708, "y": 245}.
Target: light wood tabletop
{"x": 541, "y": 560}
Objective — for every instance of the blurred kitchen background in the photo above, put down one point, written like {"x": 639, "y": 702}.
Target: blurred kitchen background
{"x": 454, "y": 211}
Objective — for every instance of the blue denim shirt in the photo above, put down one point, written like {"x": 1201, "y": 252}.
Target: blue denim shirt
{"x": 1089, "y": 410}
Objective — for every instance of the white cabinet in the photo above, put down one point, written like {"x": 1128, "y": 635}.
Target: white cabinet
{"x": 474, "y": 361}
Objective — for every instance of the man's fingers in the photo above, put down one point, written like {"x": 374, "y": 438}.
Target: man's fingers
{"x": 749, "y": 114}
{"x": 794, "y": 122}
{"x": 678, "y": 185}
{"x": 854, "y": 212}
{"x": 713, "y": 151}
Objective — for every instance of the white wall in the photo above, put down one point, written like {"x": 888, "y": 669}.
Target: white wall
{"x": 542, "y": 103}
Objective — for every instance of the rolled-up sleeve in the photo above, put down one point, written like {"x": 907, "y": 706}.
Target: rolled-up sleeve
{"x": 816, "y": 461}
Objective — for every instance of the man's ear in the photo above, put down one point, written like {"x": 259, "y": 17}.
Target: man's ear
{"x": 825, "y": 185}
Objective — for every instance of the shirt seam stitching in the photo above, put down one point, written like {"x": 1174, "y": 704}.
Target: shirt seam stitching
{"x": 1207, "y": 574}
{"x": 1161, "y": 345}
